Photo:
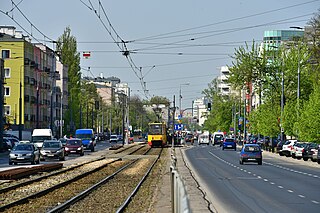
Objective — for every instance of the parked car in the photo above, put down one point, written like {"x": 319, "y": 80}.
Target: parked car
{"x": 318, "y": 155}
{"x": 229, "y": 143}
{"x": 12, "y": 140}
{"x": 188, "y": 138}
{"x": 113, "y": 139}
{"x": 24, "y": 152}
{"x": 298, "y": 150}
{"x": 251, "y": 153}
{"x": 74, "y": 146}
{"x": 279, "y": 147}
{"x": 8, "y": 143}
{"x": 314, "y": 157}
{"x": 52, "y": 149}
{"x": 309, "y": 151}
{"x": 287, "y": 148}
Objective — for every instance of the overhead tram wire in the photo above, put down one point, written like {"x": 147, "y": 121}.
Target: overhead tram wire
{"x": 227, "y": 32}
{"x": 32, "y": 25}
{"x": 123, "y": 48}
{"x": 227, "y": 21}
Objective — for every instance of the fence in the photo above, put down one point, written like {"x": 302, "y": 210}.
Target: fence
{"x": 179, "y": 197}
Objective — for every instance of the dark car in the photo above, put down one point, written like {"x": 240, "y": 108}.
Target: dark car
{"x": 279, "y": 146}
{"x": 74, "y": 146}
{"x": 251, "y": 153}
{"x": 229, "y": 143}
{"x": 24, "y": 153}
{"x": 52, "y": 149}
{"x": 309, "y": 151}
{"x": 188, "y": 138}
{"x": 63, "y": 141}
{"x": 318, "y": 155}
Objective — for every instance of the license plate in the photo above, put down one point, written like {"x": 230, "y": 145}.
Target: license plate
{"x": 229, "y": 146}
{"x": 251, "y": 159}
{"x": 50, "y": 155}
{"x": 73, "y": 151}
{"x": 20, "y": 158}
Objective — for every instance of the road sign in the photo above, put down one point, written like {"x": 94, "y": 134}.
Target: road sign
{"x": 178, "y": 126}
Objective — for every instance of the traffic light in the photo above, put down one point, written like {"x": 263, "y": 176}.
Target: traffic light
{"x": 209, "y": 107}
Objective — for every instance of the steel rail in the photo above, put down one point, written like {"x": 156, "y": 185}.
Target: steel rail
{"x": 85, "y": 193}
{"x": 28, "y": 182}
{"x": 133, "y": 193}
{"x": 50, "y": 189}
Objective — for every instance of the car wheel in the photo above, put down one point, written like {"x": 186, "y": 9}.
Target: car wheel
{"x": 305, "y": 159}
{"x": 82, "y": 154}
{"x": 318, "y": 161}
{"x": 299, "y": 158}
{"x": 241, "y": 162}
{"x": 222, "y": 148}
{"x": 313, "y": 160}
{"x": 280, "y": 153}
{"x": 10, "y": 162}
{"x": 33, "y": 162}
{"x": 260, "y": 162}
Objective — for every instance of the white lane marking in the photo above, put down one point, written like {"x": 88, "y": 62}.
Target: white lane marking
{"x": 266, "y": 180}
{"x": 281, "y": 187}
{"x": 315, "y": 202}
{"x": 272, "y": 183}
{"x": 301, "y": 196}
{"x": 289, "y": 190}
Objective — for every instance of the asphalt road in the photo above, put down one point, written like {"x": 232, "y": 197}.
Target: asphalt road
{"x": 280, "y": 184}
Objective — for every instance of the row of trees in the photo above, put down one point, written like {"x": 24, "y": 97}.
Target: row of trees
{"x": 264, "y": 71}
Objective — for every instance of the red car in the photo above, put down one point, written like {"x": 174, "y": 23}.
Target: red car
{"x": 74, "y": 146}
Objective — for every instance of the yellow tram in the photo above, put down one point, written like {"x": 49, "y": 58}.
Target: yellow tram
{"x": 157, "y": 134}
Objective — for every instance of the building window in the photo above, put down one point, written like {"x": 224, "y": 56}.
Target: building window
{"x": 7, "y": 110}
{"x": 5, "y": 54}
{"x": 7, "y": 72}
{"x": 6, "y": 91}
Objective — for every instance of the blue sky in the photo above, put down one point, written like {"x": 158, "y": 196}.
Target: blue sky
{"x": 172, "y": 42}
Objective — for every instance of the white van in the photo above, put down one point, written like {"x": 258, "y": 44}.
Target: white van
{"x": 40, "y": 135}
{"x": 217, "y": 138}
{"x": 203, "y": 138}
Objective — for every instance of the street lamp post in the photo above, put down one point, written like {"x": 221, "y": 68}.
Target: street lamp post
{"x": 180, "y": 97}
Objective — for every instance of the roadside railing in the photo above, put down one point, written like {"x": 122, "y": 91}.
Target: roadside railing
{"x": 179, "y": 198}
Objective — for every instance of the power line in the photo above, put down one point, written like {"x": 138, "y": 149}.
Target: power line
{"x": 227, "y": 21}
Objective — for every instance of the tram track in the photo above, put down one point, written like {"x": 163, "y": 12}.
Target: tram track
{"x": 23, "y": 192}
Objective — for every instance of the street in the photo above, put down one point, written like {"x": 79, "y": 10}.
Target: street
{"x": 278, "y": 185}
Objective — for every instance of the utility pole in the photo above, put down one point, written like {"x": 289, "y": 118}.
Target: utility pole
{"x": 173, "y": 114}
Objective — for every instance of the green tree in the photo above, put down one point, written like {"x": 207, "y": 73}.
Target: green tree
{"x": 67, "y": 49}
{"x": 309, "y": 125}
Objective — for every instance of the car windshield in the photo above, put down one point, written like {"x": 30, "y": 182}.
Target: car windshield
{"x": 51, "y": 145}
{"x": 84, "y": 136}
{"x": 229, "y": 140}
{"x": 40, "y": 138}
{"x": 73, "y": 142}
{"x": 21, "y": 147}
{"x": 251, "y": 149}
{"x": 113, "y": 136}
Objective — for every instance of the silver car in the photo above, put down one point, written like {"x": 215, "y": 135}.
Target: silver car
{"x": 24, "y": 153}
{"x": 52, "y": 149}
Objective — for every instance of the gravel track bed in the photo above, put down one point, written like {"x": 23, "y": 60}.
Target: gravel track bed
{"x": 58, "y": 196}
{"x": 25, "y": 191}
{"x": 109, "y": 197}
{"x": 145, "y": 199}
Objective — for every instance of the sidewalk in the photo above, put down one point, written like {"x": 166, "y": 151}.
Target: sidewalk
{"x": 198, "y": 203}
